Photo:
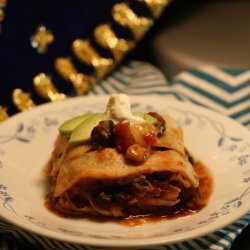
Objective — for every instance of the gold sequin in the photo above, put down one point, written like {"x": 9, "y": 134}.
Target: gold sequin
{"x": 41, "y": 39}
{"x": 83, "y": 50}
{"x": 81, "y": 82}
{"x": 105, "y": 37}
{"x": 156, "y": 6}
{"x": 125, "y": 16}
{"x": 3, "y": 114}
{"x": 22, "y": 100}
{"x": 46, "y": 89}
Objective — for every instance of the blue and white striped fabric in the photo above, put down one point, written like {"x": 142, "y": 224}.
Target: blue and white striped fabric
{"x": 224, "y": 90}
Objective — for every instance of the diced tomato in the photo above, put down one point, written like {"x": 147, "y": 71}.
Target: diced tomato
{"x": 150, "y": 138}
{"x": 138, "y": 131}
{"x": 123, "y": 136}
{"x": 145, "y": 134}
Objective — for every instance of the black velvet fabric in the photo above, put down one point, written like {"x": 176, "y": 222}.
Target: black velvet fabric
{"x": 68, "y": 20}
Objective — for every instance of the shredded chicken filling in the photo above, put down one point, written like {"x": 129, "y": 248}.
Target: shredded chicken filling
{"x": 143, "y": 194}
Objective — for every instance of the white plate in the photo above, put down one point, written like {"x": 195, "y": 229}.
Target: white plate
{"x": 26, "y": 141}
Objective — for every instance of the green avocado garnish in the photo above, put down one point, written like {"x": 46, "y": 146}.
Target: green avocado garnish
{"x": 148, "y": 118}
{"x": 82, "y": 132}
{"x": 79, "y": 128}
{"x": 68, "y": 126}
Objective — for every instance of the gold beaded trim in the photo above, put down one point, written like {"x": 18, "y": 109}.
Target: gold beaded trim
{"x": 83, "y": 51}
{"x": 41, "y": 39}
{"x": 125, "y": 17}
{"x": 156, "y": 6}
{"x": 3, "y": 4}
{"x": 107, "y": 39}
{"x": 22, "y": 100}
{"x": 86, "y": 54}
{"x": 80, "y": 82}
{"x": 46, "y": 89}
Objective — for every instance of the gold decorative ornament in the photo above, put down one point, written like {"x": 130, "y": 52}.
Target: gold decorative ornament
{"x": 3, "y": 114}
{"x": 3, "y": 4}
{"x": 156, "y": 6}
{"x": 41, "y": 39}
{"x": 84, "y": 52}
{"x": 81, "y": 82}
{"x": 105, "y": 37}
{"x": 22, "y": 100}
{"x": 46, "y": 89}
{"x": 126, "y": 17}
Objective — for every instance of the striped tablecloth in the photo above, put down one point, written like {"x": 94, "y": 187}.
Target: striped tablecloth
{"x": 224, "y": 90}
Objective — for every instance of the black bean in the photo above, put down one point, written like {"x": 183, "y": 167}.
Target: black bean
{"x": 101, "y": 136}
{"x": 109, "y": 125}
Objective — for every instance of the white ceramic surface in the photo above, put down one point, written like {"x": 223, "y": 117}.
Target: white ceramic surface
{"x": 26, "y": 141}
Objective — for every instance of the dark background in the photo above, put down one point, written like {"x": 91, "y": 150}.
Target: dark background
{"x": 69, "y": 20}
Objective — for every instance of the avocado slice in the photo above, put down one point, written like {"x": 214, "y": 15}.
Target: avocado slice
{"x": 82, "y": 132}
{"x": 148, "y": 118}
{"x": 79, "y": 128}
{"x": 68, "y": 126}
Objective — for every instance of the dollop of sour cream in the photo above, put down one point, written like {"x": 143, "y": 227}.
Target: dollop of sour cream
{"x": 118, "y": 109}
